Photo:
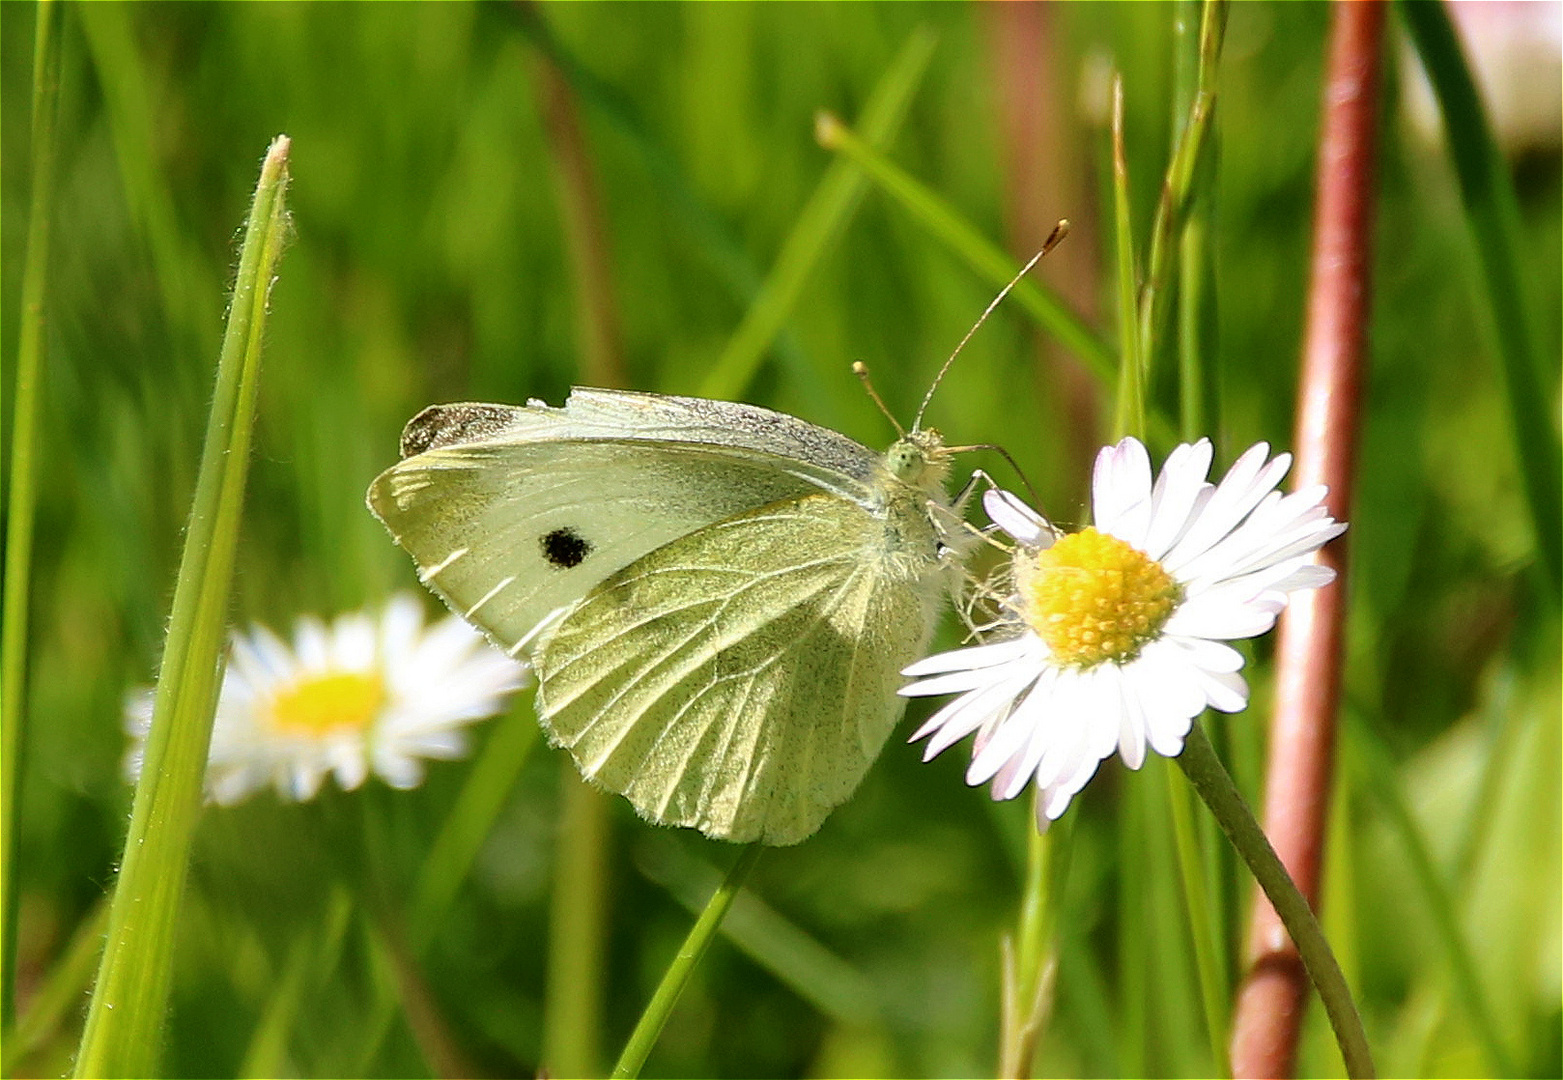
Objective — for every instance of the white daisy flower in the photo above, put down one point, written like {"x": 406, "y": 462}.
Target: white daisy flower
{"x": 361, "y": 695}
{"x": 1112, "y": 638}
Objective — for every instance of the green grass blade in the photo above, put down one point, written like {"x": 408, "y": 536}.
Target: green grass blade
{"x": 22, "y": 491}
{"x": 822, "y": 220}
{"x": 125, "y": 1016}
{"x": 184, "y": 274}
{"x": 1375, "y": 770}
{"x": 1177, "y": 189}
{"x": 989, "y": 260}
{"x": 1493, "y": 212}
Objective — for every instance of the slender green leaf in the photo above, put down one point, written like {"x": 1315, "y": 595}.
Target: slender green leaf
{"x": 125, "y": 1017}
{"x": 22, "y": 489}
{"x": 572, "y": 1011}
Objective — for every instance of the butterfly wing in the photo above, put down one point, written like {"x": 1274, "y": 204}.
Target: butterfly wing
{"x": 513, "y": 512}
{"x": 742, "y": 679}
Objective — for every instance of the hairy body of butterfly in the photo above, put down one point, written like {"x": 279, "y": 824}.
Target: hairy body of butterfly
{"x": 717, "y": 598}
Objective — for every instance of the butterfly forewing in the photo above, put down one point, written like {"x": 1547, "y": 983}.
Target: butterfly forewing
{"x": 508, "y": 532}
{"x": 742, "y": 679}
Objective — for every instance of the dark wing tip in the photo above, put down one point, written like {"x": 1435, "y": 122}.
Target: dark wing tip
{"x": 444, "y": 425}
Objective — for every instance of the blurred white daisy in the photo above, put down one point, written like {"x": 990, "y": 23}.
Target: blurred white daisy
{"x": 361, "y": 695}
{"x": 1111, "y": 638}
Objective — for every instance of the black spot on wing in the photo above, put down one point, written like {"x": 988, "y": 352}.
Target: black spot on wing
{"x": 565, "y": 548}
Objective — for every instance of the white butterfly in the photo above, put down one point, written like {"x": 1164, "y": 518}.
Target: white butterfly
{"x": 717, "y": 598}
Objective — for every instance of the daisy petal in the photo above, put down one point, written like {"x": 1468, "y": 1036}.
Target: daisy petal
{"x": 1176, "y": 495}
{"x": 976, "y": 656}
{"x": 1010, "y": 513}
{"x": 1122, "y": 482}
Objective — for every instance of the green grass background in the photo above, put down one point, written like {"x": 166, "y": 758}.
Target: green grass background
{"x": 428, "y": 264}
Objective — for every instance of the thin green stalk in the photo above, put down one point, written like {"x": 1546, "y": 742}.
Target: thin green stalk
{"x": 990, "y": 261}
{"x": 1215, "y": 787}
{"x": 22, "y": 493}
{"x": 125, "y": 1016}
{"x": 1198, "y": 32}
{"x": 572, "y": 1010}
{"x": 819, "y": 976}
{"x": 1129, "y": 412}
{"x": 1198, "y": 398}
{"x": 1198, "y": 384}
{"x": 1208, "y": 955}
{"x": 1031, "y": 964}
{"x": 1492, "y": 209}
{"x": 1177, "y": 187}
{"x": 822, "y": 219}
{"x": 650, "y": 1024}
{"x": 1133, "y": 958}
{"x": 483, "y": 794}
{"x": 60, "y": 994}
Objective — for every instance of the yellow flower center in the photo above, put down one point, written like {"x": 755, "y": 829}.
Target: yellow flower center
{"x": 318, "y": 704}
{"x": 1095, "y": 599}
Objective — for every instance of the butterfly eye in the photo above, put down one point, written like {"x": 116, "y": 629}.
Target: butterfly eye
{"x": 564, "y": 548}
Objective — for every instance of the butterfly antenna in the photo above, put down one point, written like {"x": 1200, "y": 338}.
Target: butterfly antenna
{"x": 1060, "y": 231}
{"x": 1003, "y": 453}
{"x": 860, "y": 369}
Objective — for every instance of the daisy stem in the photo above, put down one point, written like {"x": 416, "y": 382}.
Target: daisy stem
{"x": 1214, "y": 784}
{"x": 651, "y": 1022}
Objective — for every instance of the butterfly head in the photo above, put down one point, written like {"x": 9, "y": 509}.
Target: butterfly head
{"x": 919, "y": 459}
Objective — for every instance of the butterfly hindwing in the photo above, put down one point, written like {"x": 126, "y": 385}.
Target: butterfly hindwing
{"x": 742, "y": 679}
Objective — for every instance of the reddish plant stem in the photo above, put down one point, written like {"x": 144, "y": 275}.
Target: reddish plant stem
{"x": 1302, "y": 735}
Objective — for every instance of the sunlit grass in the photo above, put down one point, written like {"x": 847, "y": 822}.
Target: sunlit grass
{"x": 429, "y": 264}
